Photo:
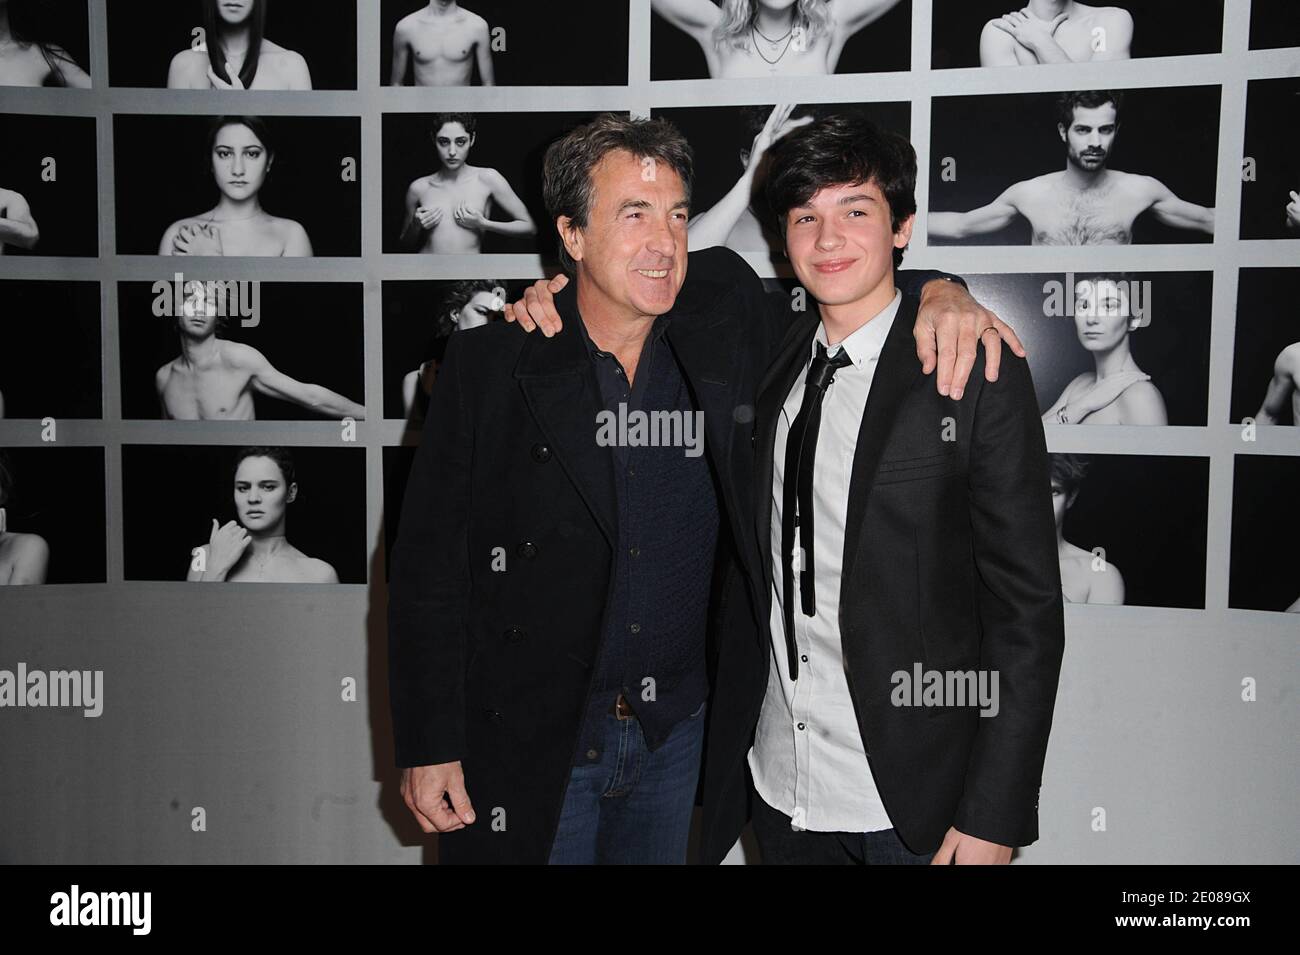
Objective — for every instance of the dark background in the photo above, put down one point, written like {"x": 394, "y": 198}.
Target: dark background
{"x": 59, "y": 494}
{"x": 397, "y": 468}
{"x": 1170, "y": 133}
{"x": 309, "y": 331}
{"x": 67, "y": 209}
{"x": 500, "y": 143}
{"x": 1272, "y": 113}
{"x": 164, "y": 173}
{"x": 883, "y": 47}
{"x": 171, "y": 493}
{"x": 1266, "y": 323}
{"x": 1160, "y": 28}
{"x": 64, "y": 23}
{"x": 1174, "y": 349}
{"x": 574, "y": 43}
{"x": 144, "y": 35}
{"x": 50, "y": 349}
{"x": 1149, "y": 514}
{"x": 1274, "y": 24}
{"x": 1265, "y": 572}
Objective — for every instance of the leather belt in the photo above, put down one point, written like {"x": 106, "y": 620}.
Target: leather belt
{"x": 622, "y": 709}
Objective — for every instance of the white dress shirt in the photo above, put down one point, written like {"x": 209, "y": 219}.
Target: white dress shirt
{"x": 808, "y": 759}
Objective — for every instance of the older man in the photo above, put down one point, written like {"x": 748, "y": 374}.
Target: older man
{"x": 559, "y": 560}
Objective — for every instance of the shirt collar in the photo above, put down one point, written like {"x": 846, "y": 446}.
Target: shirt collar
{"x": 656, "y": 332}
{"x": 867, "y": 342}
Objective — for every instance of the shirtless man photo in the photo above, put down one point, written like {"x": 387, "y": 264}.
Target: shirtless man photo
{"x": 1085, "y": 578}
{"x": 441, "y": 44}
{"x": 1085, "y": 203}
{"x": 215, "y": 378}
{"x": 242, "y": 155}
{"x": 17, "y": 227}
{"x": 1283, "y": 389}
{"x": 29, "y": 59}
{"x": 234, "y": 54}
{"x": 447, "y": 210}
{"x": 1057, "y": 31}
{"x": 748, "y": 38}
{"x": 24, "y": 558}
{"x": 1116, "y": 391}
{"x": 731, "y": 220}
{"x": 254, "y": 547}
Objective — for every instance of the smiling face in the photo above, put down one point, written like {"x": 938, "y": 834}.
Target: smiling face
{"x": 234, "y": 12}
{"x": 453, "y": 144}
{"x": 261, "y": 496}
{"x": 240, "y": 162}
{"x": 1089, "y": 138}
{"x": 841, "y": 243}
{"x": 632, "y": 253}
{"x": 1101, "y": 313}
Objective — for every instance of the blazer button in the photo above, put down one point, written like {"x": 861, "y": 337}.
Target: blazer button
{"x": 514, "y": 635}
{"x": 541, "y": 453}
{"x": 492, "y": 716}
{"x": 526, "y": 549}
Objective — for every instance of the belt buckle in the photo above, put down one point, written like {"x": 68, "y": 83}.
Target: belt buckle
{"x": 622, "y": 709}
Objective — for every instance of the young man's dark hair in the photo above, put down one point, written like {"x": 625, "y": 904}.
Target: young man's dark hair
{"x": 566, "y": 171}
{"x": 1088, "y": 99}
{"x": 839, "y": 150}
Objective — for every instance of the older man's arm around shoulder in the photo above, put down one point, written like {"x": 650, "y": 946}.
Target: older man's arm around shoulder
{"x": 1021, "y": 617}
{"x": 428, "y": 593}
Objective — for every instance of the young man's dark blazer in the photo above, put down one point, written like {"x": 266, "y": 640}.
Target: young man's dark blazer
{"x": 493, "y": 668}
{"x": 949, "y": 560}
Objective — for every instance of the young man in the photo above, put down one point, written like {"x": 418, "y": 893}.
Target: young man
{"x": 903, "y": 534}
{"x": 1085, "y": 203}
{"x": 442, "y": 42}
{"x": 550, "y": 593}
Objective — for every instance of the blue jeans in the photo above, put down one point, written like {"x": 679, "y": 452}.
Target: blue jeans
{"x": 781, "y": 845}
{"x": 631, "y": 806}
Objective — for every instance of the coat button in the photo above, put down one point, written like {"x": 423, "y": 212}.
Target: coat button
{"x": 541, "y": 453}
{"x": 526, "y": 549}
{"x": 492, "y": 716}
{"x": 514, "y": 635}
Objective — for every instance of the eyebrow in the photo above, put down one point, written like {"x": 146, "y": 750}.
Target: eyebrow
{"x": 843, "y": 201}
{"x": 645, "y": 204}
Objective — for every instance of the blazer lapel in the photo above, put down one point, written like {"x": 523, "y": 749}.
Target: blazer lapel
{"x": 896, "y": 373}
{"x": 560, "y": 387}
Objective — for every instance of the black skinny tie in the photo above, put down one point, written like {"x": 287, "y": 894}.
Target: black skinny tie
{"x": 797, "y": 491}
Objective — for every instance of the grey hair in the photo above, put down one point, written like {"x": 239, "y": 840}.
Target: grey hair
{"x": 567, "y": 188}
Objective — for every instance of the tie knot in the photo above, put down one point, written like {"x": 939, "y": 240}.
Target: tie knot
{"x": 822, "y": 371}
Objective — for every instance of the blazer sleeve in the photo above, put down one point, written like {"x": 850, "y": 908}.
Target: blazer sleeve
{"x": 1019, "y": 604}
{"x": 429, "y": 582}
{"x": 911, "y": 281}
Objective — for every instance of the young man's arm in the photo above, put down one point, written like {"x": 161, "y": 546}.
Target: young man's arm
{"x": 1020, "y": 608}
{"x": 428, "y": 591}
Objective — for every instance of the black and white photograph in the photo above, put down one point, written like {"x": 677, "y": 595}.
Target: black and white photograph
{"x": 419, "y": 319}
{"x": 1270, "y": 171}
{"x": 1273, "y": 24}
{"x": 45, "y": 43}
{"x": 52, "y": 516}
{"x": 468, "y": 183}
{"x": 50, "y": 350}
{"x": 1130, "y": 529}
{"x": 985, "y": 33}
{"x": 730, "y": 143}
{"x": 1117, "y": 348}
{"x": 752, "y": 39}
{"x": 1266, "y": 353}
{"x": 238, "y": 185}
{"x": 49, "y": 200}
{"x": 1084, "y": 167}
{"x": 1265, "y": 527}
{"x": 503, "y": 43}
{"x": 244, "y": 514}
{"x": 233, "y": 44}
{"x": 205, "y": 349}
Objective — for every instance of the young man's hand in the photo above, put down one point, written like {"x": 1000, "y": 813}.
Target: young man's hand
{"x": 962, "y": 849}
{"x": 948, "y": 325}
{"x": 537, "y": 308}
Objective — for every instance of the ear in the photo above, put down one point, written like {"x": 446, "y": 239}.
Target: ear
{"x": 293, "y": 493}
{"x": 904, "y": 234}
{"x": 571, "y": 236}
{"x": 1061, "y": 131}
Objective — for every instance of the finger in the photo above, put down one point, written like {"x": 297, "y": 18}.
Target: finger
{"x": 1008, "y": 334}
{"x": 925, "y": 349}
{"x": 563, "y": 280}
{"x": 460, "y": 803}
{"x": 992, "y": 355}
{"x": 946, "y": 345}
{"x": 967, "y": 343}
{"x": 425, "y": 822}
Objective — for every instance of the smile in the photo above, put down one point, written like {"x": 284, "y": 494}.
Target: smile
{"x": 654, "y": 273}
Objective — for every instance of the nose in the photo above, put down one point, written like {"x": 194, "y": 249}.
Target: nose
{"x": 663, "y": 241}
{"x": 829, "y": 236}
{"x": 237, "y": 164}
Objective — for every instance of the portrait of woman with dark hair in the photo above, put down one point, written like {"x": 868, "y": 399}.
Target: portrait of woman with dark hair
{"x": 254, "y": 547}
{"x": 467, "y": 304}
{"x": 235, "y": 53}
{"x": 242, "y": 154}
{"x": 27, "y": 56}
